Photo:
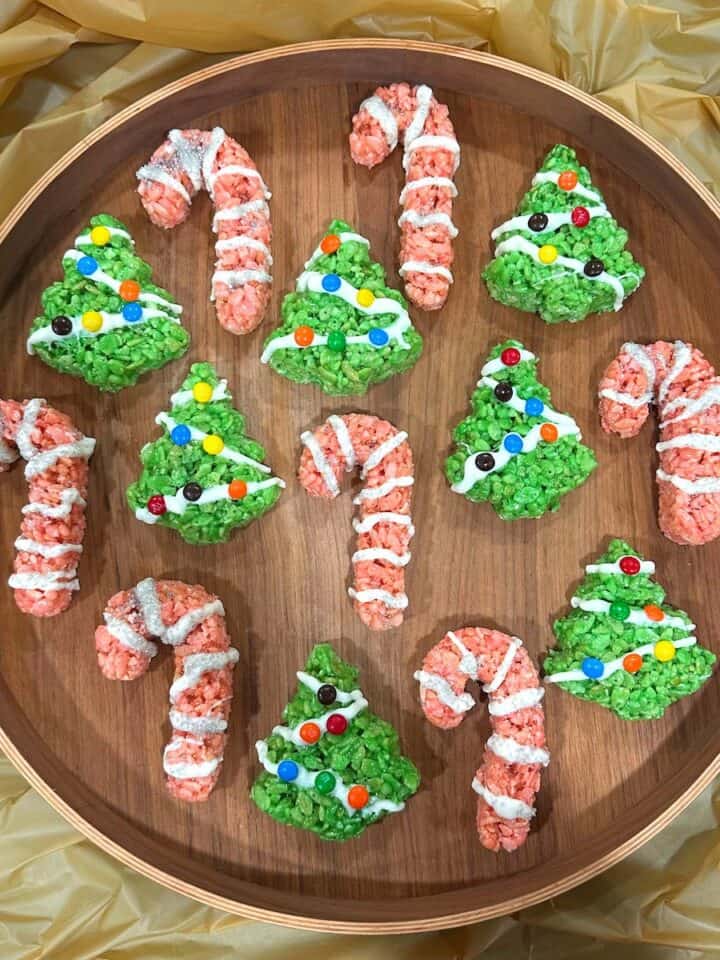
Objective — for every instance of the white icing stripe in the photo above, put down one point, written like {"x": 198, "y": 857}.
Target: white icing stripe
{"x": 422, "y": 182}
{"x": 84, "y": 238}
{"x": 243, "y": 240}
{"x": 305, "y": 780}
{"x": 502, "y": 706}
{"x": 687, "y": 408}
{"x": 381, "y": 553}
{"x": 472, "y": 473}
{"x": 235, "y": 170}
{"x": 312, "y": 683}
{"x": 511, "y": 751}
{"x": 158, "y": 174}
{"x": 189, "y": 156}
{"x": 220, "y": 392}
{"x": 422, "y": 266}
{"x": 394, "y": 330}
{"x": 99, "y": 276}
{"x": 637, "y": 617}
{"x": 342, "y": 434}
{"x": 682, "y": 355}
{"x": 345, "y": 237}
{"x": 68, "y": 499}
{"x": 311, "y": 281}
{"x": 385, "y": 449}
{"x": 292, "y": 734}
{"x": 382, "y": 516}
{"x": 238, "y": 278}
{"x": 379, "y": 111}
{"x": 646, "y": 566}
{"x": 396, "y": 601}
{"x": 24, "y": 545}
{"x": 516, "y": 402}
{"x": 469, "y": 664}
{"x": 423, "y": 220}
{"x": 53, "y": 580}
{"x": 625, "y": 398}
{"x": 554, "y": 221}
{"x": 239, "y": 210}
{"x": 176, "y": 502}
{"x": 23, "y": 435}
{"x": 643, "y": 358}
{"x": 496, "y": 365}
{"x": 147, "y": 599}
{"x": 376, "y": 493}
{"x": 188, "y": 771}
{"x": 179, "y": 631}
{"x": 127, "y": 637}
{"x": 227, "y": 453}
{"x": 692, "y": 487}
{"x": 110, "y": 321}
{"x": 551, "y": 176}
{"x": 209, "y": 156}
{"x": 501, "y": 675}
{"x": 506, "y": 807}
{"x": 457, "y": 702}
{"x": 81, "y": 449}
{"x": 612, "y": 666}
{"x": 423, "y": 99}
{"x": 518, "y": 244}
{"x": 202, "y": 725}
{"x": 321, "y": 464}
{"x": 691, "y": 441}
{"x": 431, "y": 142}
{"x": 196, "y": 665}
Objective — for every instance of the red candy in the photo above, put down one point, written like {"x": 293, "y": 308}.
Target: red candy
{"x": 629, "y": 565}
{"x": 156, "y": 505}
{"x": 580, "y": 216}
{"x": 336, "y": 724}
{"x": 510, "y": 357}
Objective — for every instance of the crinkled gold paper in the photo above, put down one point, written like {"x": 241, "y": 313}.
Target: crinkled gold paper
{"x": 67, "y": 65}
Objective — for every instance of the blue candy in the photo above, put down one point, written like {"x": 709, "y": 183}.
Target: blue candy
{"x": 288, "y": 770}
{"x": 87, "y": 266}
{"x": 331, "y": 282}
{"x": 180, "y": 435}
{"x": 534, "y": 407}
{"x": 132, "y": 311}
{"x": 513, "y": 443}
{"x": 592, "y": 668}
{"x": 378, "y": 337}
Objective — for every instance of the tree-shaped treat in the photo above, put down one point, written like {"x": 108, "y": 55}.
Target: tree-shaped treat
{"x": 515, "y": 450}
{"x": 622, "y": 646}
{"x": 332, "y": 767}
{"x": 562, "y": 255}
{"x": 343, "y": 328}
{"x": 204, "y": 476}
{"x": 106, "y": 321}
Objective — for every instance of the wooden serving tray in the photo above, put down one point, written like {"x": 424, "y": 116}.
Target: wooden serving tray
{"x": 93, "y": 748}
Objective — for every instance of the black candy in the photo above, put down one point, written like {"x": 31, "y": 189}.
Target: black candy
{"x": 538, "y": 222}
{"x": 327, "y": 694}
{"x": 484, "y": 462}
{"x": 593, "y": 268}
{"x": 61, "y": 326}
{"x": 192, "y": 491}
{"x": 504, "y": 391}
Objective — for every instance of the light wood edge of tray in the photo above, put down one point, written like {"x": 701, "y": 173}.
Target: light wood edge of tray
{"x": 168, "y": 880}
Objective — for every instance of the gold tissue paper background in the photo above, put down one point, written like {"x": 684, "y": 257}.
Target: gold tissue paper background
{"x": 68, "y": 65}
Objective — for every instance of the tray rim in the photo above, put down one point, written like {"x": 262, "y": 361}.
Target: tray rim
{"x": 150, "y": 870}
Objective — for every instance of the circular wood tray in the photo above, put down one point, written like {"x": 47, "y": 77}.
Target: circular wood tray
{"x": 93, "y": 748}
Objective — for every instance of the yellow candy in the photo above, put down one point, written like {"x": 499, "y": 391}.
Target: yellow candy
{"x": 202, "y": 392}
{"x": 100, "y": 236}
{"x": 365, "y": 297}
{"x": 213, "y": 444}
{"x": 92, "y": 321}
{"x": 664, "y": 650}
{"x": 547, "y": 253}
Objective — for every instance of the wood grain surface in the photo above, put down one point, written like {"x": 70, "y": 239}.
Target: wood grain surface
{"x": 94, "y": 747}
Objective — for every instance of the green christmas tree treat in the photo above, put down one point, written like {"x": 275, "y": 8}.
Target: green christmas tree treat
{"x": 514, "y": 450}
{"x": 562, "y": 255}
{"x": 621, "y": 645}
{"x": 106, "y": 321}
{"x": 332, "y": 767}
{"x": 204, "y": 476}
{"x": 343, "y": 328}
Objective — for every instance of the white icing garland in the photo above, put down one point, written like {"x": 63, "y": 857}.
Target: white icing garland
{"x": 636, "y": 617}
{"x": 612, "y": 666}
{"x": 176, "y": 503}
{"x": 227, "y": 453}
{"x": 99, "y": 276}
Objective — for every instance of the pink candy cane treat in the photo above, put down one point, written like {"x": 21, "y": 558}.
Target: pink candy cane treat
{"x": 430, "y": 158}
{"x": 56, "y": 468}
{"x": 683, "y": 386}
{"x": 192, "y": 621}
{"x": 384, "y": 525}
{"x": 509, "y": 776}
{"x": 190, "y": 160}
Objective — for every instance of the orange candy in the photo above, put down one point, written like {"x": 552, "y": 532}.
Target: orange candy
{"x": 632, "y": 662}
{"x": 330, "y": 243}
{"x": 237, "y": 490}
{"x": 310, "y": 732}
{"x": 129, "y": 290}
{"x": 358, "y": 797}
{"x": 304, "y": 336}
{"x": 549, "y": 432}
{"x": 567, "y": 180}
{"x": 653, "y": 613}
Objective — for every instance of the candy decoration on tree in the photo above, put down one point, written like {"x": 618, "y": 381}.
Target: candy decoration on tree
{"x": 509, "y": 775}
{"x": 515, "y": 450}
{"x": 204, "y": 476}
{"x": 431, "y": 156}
{"x": 562, "y": 255}
{"x": 682, "y": 384}
{"x": 107, "y": 322}
{"x": 193, "y": 160}
{"x": 384, "y": 525}
{"x": 621, "y": 646}
{"x": 345, "y": 775}
{"x": 192, "y": 621}
{"x": 56, "y": 458}
{"x": 343, "y": 328}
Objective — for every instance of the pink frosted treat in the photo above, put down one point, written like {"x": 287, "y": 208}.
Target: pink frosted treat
{"x": 384, "y": 525}
{"x": 682, "y": 384}
{"x": 53, "y": 525}
{"x": 509, "y": 775}
{"x": 430, "y": 158}
{"x": 192, "y": 621}
{"x": 190, "y": 160}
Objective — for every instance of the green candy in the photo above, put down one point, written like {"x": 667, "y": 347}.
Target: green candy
{"x": 336, "y": 341}
{"x": 619, "y": 610}
{"x": 325, "y": 782}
